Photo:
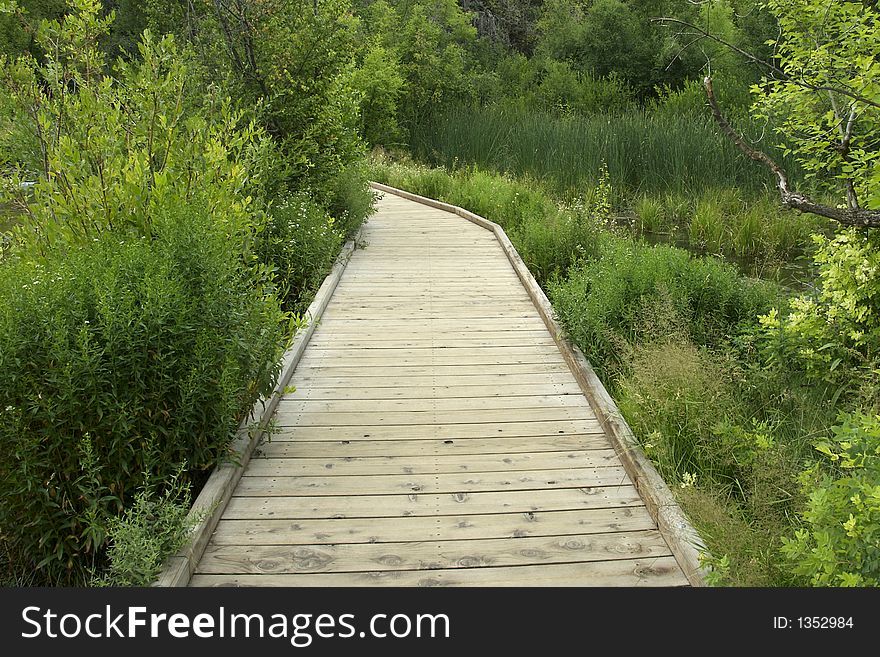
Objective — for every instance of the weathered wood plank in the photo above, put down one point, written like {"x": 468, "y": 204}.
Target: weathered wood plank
{"x": 422, "y": 418}
{"x": 425, "y": 528}
{"x": 401, "y": 354}
{"x": 487, "y": 382}
{"x": 440, "y": 431}
{"x": 431, "y": 504}
{"x": 268, "y": 465}
{"x": 433, "y": 359}
{"x": 474, "y": 482}
{"x": 304, "y": 449}
{"x": 475, "y": 553}
{"x": 342, "y": 369}
{"x": 290, "y": 405}
{"x": 662, "y": 571}
{"x": 346, "y": 389}
{"x": 378, "y": 341}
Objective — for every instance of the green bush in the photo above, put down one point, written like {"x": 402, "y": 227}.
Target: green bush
{"x": 673, "y": 397}
{"x": 352, "y": 200}
{"x": 839, "y": 544}
{"x": 833, "y": 334}
{"x": 152, "y": 529}
{"x": 601, "y": 303}
{"x": 148, "y": 348}
{"x": 300, "y": 243}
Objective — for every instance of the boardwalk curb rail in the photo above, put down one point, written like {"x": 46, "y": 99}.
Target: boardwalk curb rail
{"x": 681, "y": 537}
{"x": 212, "y": 499}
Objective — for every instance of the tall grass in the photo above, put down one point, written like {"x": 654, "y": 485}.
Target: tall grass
{"x": 644, "y": 152}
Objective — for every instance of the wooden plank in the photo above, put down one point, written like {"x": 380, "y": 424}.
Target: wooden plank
{"x": 269, "y": 465}
{"x": 431, "y": 359}
{"x": 487, "y": 382}
{"x": 459, "y": 295}
{"x": 400, "y": 353}
{"x": 430, "y": 504}
{"x": 471, "y": 482}
{"x": 425, "y": 447}
{"x": 497, "y": 315}
{"x": 413, "y": 370}
{"x": 662, "y": 571}
{"x": 431, "y": 555}
{"x": 397, "y": 337}
{"x": 407, "y": 307}
{"x": 346, "y": 390}
{"x": 290, "y": 405}
{"x": 284, "y": 417}
{"x": 425, "y": 528}
{"x": 439, "y": 326}
{"x": 439, "y": 431}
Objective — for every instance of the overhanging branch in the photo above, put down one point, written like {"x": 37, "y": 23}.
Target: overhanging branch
{"x": 791, "y": 199}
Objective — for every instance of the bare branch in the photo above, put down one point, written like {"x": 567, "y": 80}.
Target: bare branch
{"x": 781, "y": 74}
{"x": 791, "y": 199}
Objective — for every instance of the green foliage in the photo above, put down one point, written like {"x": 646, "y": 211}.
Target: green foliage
{"x": 19, "y": 21}
{"x": 839, "y": 544}
{"x": 827, "y": 112}
{"x": 433, "y": 40}
{"x": 650, "y": 216}
{"x": 150, "y": 530}
{"x": 380, "y": 81}
{"x": 353, "y": 200}
{"x": 300, "y": 242}
{"x": 644, "y": 152}
{"x": 673, "y": 398}
{"x": 557, "y": 88}
{"x": 617, "y": 37}
{"x": 601, "y": 303}
{"x": 835, "y": 331}
{"x": 111, "y": 153}
{"x": 161, "y": 342}
{"x": 136, "y": 329}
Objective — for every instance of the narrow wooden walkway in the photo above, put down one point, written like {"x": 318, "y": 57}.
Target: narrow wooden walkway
{"x": 436, "y": 436}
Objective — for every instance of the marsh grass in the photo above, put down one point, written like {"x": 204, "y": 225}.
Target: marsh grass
{"x": 644, "y": 152}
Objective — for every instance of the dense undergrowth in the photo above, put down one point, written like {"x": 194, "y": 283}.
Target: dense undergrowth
{"x": 148, "y": 286}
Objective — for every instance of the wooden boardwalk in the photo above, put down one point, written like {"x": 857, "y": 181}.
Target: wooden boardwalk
{"x": 436, "y": 436}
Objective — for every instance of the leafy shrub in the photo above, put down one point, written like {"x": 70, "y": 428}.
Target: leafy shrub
{"x": 839, "y": 544}
{"x": 551, "y": 245}
{"x": 300, "y": 243}
{"x": 352, "y": 200}
{"x": 601, "y": 302}
{"x": 160, "y": 342}
{"x": 150, "y": 530}
{"x": 380, "y": 81}
{"x": 90, "y": 179}
{"x": 830, "y": 333}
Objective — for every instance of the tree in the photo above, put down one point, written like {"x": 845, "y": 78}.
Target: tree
{"x": 822, "y": 94}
